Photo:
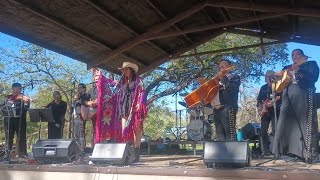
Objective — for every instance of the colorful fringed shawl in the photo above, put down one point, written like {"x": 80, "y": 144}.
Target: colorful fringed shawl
{"x": 108, "y": 121}
{"x": 105, "y": 108}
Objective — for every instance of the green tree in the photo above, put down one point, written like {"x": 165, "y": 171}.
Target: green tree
{"x": 179, "y": 75}
{"x": 32, "y": 65}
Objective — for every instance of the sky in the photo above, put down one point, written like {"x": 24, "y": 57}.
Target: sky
{"x": 310, "y": 50}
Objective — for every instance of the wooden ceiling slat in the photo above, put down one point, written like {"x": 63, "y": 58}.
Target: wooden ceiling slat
{"x": 165, "y": 18}
{"x": 155, "y": 29}
{"x": 108, "y": 14}
{"x": 311, "y": 12}
{"x": 214, "y": 26}
{"x": 106, "y": 33}
{"x": 70, "y": 28}
{"x": 160, "y": 61}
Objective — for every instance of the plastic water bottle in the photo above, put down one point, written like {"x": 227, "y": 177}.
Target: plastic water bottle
{"x": 239, "y": 135}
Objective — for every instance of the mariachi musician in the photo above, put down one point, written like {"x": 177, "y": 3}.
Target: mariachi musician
{"x": 297, "y": 127}
{"x": 265, "y": 102}
{"x": 80, "y": 114}
{"x": 225, "y": 103}
{"x": 15, "y": 107}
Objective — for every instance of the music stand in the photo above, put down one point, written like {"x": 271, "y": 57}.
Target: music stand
{"x": 41, "y": 115}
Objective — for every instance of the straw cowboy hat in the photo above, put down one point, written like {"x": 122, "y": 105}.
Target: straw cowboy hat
{"x": 269, "y": 73}
{"x": 130, "y": 65}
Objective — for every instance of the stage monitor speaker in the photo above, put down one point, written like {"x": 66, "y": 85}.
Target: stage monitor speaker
{"x": 251, "y": 131}
{"x": 227, "y": 154}
{"x": 51, "y": 151}
{"x": 113, "y": 154}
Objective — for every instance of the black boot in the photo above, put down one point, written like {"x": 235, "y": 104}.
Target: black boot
{"x": 136, "y": 155}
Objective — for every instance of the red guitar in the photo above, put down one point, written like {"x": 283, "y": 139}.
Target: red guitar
{"x": 266, "y": 105}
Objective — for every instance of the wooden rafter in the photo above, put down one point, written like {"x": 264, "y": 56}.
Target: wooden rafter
{"x": 228, "y": 49}
{"x": 311, "y": 12}
{"x": 71, "y": 29}
{"x": 118, "y": 21}
{"x": 214, "y": 26}
{"x": 160, "y": 61}
{"x": 153, "y": 30}
{"x": 160, "y": 13}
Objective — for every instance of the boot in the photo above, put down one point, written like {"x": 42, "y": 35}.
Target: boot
{"x": 136, "y": 155}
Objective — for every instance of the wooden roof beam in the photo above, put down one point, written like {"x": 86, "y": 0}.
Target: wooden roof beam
{"x": 225, "y": 13}
{"x": 311, "y": 12}
{"x": 70, "y": 29}
{"x": 286, "y": 37}
{"x": 259, "y": 34}
{"x": 153, "y": 30}
{"x": 214, "y": 26}
{"x": 109, "y": 15}
{"x": 228, "y": 49}
{"x": 160, "y": 13}
{"x": 180, "y": 51}
{"x": 293, "y": 20}
{"x": 259, "y": 23}
{"x": 207, "y": 15}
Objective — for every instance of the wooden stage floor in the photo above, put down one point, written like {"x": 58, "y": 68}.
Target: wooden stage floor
{"x": 163, "y": 167}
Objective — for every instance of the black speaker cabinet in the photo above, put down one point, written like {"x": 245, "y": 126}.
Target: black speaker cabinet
{"x": 113, "y": 154}
{"x": 51, "y": 151}
{"x": 227, "y": 154}
{"x": 251, "y": 131}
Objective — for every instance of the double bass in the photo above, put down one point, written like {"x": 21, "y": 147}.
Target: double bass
{"x": 207, "y": 91}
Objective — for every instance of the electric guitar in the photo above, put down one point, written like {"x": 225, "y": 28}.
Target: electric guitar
{"x": 266, "y": 105}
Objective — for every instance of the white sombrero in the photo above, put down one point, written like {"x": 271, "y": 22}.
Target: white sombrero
{"x": 130, "y": 65}
{"x": 269, "y": 73}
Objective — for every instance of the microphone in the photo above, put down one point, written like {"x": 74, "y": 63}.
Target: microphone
{"x": 91, "y": 83}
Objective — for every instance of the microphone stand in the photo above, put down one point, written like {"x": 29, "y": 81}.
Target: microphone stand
{"x": 7, "y": 149}
{"x": 274, "y": 102}
{"x": 20, "y": 122}
{"x": 72, "y": 113}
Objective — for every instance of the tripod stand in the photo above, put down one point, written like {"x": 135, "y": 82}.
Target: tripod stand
{"x": 7, "y": 112}
{"x": 13, "y": 111}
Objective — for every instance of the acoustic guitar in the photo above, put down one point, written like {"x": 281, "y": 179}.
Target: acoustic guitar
{"x": 282, "y": 83}
{"x": 285, "y": 80}
{"x": 207, "y": 91}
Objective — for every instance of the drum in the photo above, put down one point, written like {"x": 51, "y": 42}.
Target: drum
{"x": 198, "y": 112}
{"x": 195, "y": 130}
